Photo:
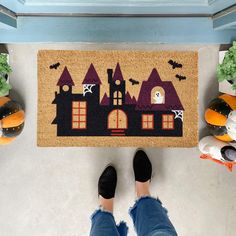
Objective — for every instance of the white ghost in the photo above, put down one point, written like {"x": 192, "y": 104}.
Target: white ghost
{"x": 158, "y": 98}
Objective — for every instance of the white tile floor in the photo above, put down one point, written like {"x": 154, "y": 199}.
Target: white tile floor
{"x": 53, "y": 191}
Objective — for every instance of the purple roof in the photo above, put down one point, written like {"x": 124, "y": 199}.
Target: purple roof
{"x": 172, "y": 101}
{"x": 129, "y": 100}
{"x": 91, "y": 77}
{"x": 118, "y": 74}
{"x": 134, "y": 101}
{"x": 65, "y": 78}
{"x": 105, "y": 100}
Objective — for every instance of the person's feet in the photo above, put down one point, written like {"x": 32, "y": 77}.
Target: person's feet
{"x": 142, "y": 172}
{"x": 107, "y": 187}
{"x": 108, "y": 180}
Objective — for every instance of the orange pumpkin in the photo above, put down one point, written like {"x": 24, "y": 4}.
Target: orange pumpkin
{"x": 219, "y": 116}
{"x": 11, "y": 120}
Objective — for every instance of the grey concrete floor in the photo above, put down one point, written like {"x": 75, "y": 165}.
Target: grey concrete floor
{"x": 53, "y": 191}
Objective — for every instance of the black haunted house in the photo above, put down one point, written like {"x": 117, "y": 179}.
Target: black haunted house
{"x": 157, "y": 111}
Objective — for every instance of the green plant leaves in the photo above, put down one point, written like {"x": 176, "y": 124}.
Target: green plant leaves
{"x": 5, "y": 70}
{"x": 234, "y": 86}
{"x": 4, "y": 86}
{"x": 227, "y": 70}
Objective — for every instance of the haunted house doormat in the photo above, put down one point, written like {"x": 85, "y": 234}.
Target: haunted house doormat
{"x": 117, "y": 98}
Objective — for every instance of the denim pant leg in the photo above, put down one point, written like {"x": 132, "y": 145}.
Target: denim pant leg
{"x": 150, "y": 218}
{"x": 103, "y": 224}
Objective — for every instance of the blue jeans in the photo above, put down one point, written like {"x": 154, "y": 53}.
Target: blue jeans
{"x": 148, "y": 215}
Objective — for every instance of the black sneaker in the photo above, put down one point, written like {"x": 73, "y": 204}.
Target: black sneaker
{"x": 142, "y": 166}
{"x": 107, "y": 183}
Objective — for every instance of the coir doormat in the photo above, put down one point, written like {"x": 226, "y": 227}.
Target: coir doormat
{"x": 117, "y": 98}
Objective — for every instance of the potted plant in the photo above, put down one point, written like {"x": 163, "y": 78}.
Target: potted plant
{"x": 5, "y": 70}
{"x": 226, "y": 72}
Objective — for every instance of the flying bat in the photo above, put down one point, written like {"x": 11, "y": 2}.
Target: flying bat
{"x": 180, "y": 77}
{"x": 54, "y": 66}
{"x": 175, "y": 64}
{"x": 133, "y": 81}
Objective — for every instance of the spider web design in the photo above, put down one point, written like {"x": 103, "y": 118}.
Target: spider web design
{"x": 88, "y": 88}
{"x": 179, "y": 114}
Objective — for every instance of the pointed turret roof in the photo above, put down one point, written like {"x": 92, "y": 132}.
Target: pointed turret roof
{"x": 91, "y": 76}
{"x": 105, "y": 100}
{"x": 134, "y": 101}
{"x": 65, "y": 78}
{"x": 118, "y": 74}
{"x": 128, "y": 99}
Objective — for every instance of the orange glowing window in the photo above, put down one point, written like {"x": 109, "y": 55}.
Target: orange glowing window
{"x": 147, "y": 121}
{"x": 79, "y": 112}
{"x": 168, "y": 121}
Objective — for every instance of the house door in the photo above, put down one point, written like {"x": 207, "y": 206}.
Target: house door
{"x": 117, "y": 119}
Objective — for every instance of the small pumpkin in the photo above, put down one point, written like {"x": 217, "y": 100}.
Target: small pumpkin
{"x": 11, "y": 120}
{"x": 221, "y": 117}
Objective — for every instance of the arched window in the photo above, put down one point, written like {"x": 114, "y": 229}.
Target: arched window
{"x": 117, "y": 98}
{"x": 158, "y": 95}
